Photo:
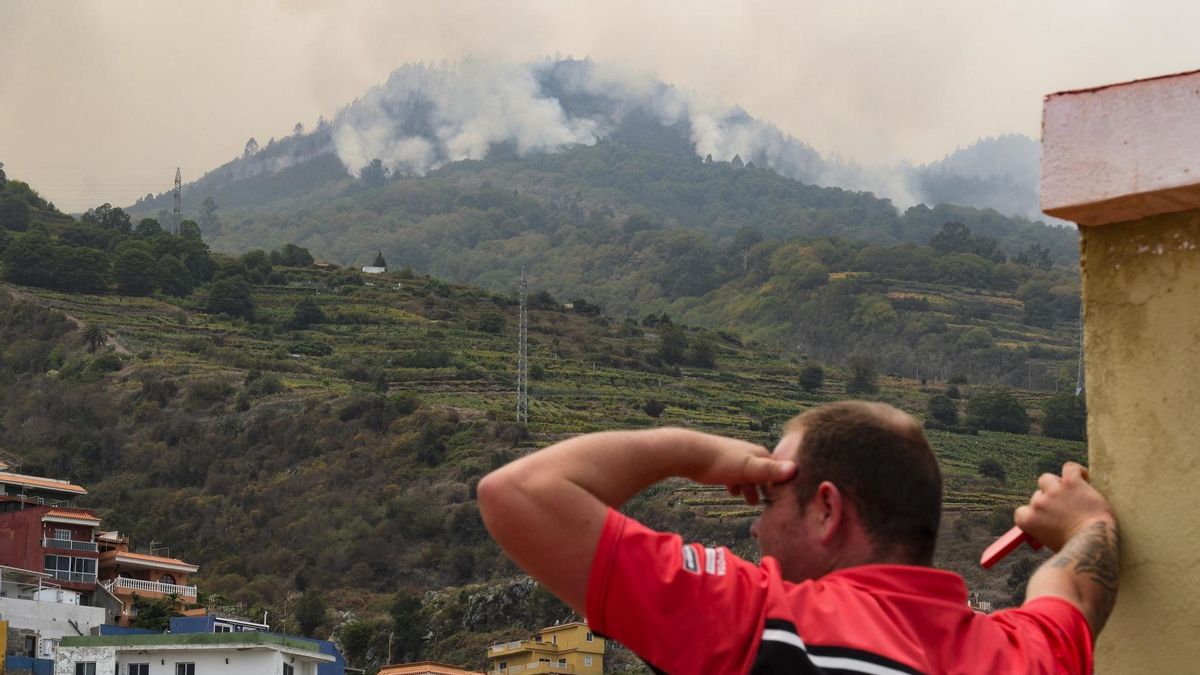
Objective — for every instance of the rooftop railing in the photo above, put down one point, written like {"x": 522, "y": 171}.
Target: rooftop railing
{"x": 124, "y": 583}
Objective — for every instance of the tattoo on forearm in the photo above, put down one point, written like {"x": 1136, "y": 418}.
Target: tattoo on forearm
{"x": 1093, "y": 553}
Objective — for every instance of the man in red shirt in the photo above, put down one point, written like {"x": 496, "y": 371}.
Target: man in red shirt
{"x": 852, "y": 499}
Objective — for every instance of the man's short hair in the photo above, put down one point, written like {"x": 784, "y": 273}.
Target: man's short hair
{"x": 880, "y": 460}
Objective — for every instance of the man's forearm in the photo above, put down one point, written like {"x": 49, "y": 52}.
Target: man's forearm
{"x": 546, "y": 510}
{"x": 1084, "y": 571}
{"x": 613, "y": 466}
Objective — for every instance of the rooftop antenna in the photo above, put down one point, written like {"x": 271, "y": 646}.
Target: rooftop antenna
{"x": 178, "y": 199}
{"x": 523, "y": 355}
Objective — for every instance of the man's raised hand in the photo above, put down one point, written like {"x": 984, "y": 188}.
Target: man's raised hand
{"x": 1062, "y": 506}
{"x": 739, "y": 465}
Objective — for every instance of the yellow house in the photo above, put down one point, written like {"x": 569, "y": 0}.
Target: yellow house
{"x": 565, "y": 648}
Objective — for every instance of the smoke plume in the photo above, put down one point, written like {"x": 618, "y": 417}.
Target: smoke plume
{"x": 425, "y": 116}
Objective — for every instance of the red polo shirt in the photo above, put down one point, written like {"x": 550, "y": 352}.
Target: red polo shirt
{"x": 691, "y": 609}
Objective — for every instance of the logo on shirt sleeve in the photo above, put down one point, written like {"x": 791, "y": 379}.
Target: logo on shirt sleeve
{"x": 714, "y": 560}
{"x": 691, "y": 562}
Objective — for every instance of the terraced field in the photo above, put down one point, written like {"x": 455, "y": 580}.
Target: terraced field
{"x": 455, "y": 348}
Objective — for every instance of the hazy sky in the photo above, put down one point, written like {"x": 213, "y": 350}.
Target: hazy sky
{"x": 100, "y": 101}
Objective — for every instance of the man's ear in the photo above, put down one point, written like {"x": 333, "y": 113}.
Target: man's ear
{"x": 832, "y": 510}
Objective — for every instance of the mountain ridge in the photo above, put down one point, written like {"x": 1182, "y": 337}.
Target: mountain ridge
{"x": 424, "y": 117}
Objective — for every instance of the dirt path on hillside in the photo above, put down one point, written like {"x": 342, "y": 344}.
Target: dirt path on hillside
{"x": 110, "y": 336}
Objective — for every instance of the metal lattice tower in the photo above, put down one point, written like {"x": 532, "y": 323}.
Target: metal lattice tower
{"x": 523, "y": 355}
{"x": 178, "y": 199}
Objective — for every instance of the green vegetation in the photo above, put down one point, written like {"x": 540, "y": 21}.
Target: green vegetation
{"x": 275, "y": 470}
{"x": 823, "y": 271}
{"x": 291, "y": 427}
{"x": 998, "y": 410}
{"x": 812, "y": 377}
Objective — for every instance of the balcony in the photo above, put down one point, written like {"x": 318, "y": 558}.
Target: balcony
{"x": 69, "y": 544}
{"x": 540, "y": 667}
{"x": 126, "y": 585}
{"x": 522, "y": 645}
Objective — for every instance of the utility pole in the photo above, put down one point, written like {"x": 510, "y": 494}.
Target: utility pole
{"x": 178, "y": 200}
{"x": 523, "y": 355}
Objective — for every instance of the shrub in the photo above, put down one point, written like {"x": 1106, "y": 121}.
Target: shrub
{"x": 977, "y": 337}
{"x": 425, "y": 358}
{"x": 654, "y": 407}
{"x": 308, "y": 348}
{"x": 1052, "y": 462}
{"x": 195, "y": 344}
{"x": 513, "y": 433}
{"x": 230, "y": 296}
{"x": 405, "y": 404}
{"x": 863, "y": 377}
{"x": 259, "y": 384}
{"x": 997, "y": 410}
{"x": 492, "y": 322}
{"x": 310, "y": 612}
{"x": 672, "y": 344}
{"x": 1065, "y": 416}
{"x": 702, "y": 354}
{"x": 307, "y": 313}
{"x": 943, "y": 410}
{"x": 107, "y": 363}
{"x": 812, "y": 377}
{"x": 205, "y": 393}
{"x": 990, "y": 468}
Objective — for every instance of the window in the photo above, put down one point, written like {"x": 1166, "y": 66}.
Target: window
{"x": 85, "y": 668}
{"x": 62, "y": 535}
{"x": 166, "y": 579}
{"x": 562, "y": 662}
{"x": 503, "y": 665}
{"x": 83, "y": 565}
{"x": 185, "y": 669}
{"x": 139, "y": 669}
{"x": 587, "y": 661}
{"x": 222, "y": 628}
{"x": 66, "y": 568}
{"x": 288, "y": 670}
{"x": 588, "y": 637}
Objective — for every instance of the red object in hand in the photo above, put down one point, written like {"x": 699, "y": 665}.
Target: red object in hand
{"x": 1005, "y": 545}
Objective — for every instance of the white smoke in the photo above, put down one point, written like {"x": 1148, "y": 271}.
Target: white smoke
{"x": 426, "y": 116}
{"x": 459, "y": 113}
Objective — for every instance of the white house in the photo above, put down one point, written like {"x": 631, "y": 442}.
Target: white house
{"x": 247, "y": 653}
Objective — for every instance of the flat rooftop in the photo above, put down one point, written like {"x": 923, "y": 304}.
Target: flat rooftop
{"x": 173, "y": 641}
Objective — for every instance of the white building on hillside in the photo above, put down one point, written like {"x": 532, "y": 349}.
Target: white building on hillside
{"x": 40, "y": 613}
{"x": 248, "y": 653}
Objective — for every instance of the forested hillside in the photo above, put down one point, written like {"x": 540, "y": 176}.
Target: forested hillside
{"x": 326, "y": 436}
{"x": 725, "y": 246}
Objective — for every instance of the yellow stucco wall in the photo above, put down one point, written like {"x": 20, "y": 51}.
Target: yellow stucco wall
{"x": 1141, "y": 289}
